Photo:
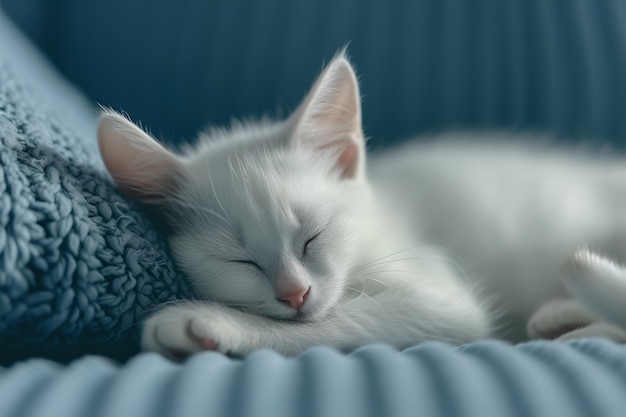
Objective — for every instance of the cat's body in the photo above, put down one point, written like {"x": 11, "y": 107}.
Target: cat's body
{"x": 509, "y": 210}
{"x": 297, "y": 244}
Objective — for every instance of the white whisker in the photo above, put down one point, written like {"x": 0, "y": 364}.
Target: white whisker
{"x": 363, "y": 294}
{"x": 390, "y": 255}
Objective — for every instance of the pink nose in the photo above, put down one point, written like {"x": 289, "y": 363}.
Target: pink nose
{"x": 294, "y": 299}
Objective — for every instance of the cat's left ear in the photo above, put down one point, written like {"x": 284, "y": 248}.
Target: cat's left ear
{"x": 329, "y": 118}
{"x": 141, "y": 167}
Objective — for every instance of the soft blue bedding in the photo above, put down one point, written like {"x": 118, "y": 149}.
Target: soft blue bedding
{"x": 584, "y": 378}
{"x": 80, "y": 266}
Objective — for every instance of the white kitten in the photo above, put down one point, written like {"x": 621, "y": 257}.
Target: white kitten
{"x": 292, "y": 244}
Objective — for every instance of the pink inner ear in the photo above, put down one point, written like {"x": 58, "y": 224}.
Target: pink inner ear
{"x": 348, "y": 160}
{"x": 140, "y": 166}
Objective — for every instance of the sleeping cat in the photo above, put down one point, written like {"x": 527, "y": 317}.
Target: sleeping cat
{"x": 291, "y": 240}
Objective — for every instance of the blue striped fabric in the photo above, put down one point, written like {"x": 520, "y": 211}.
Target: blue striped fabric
{"x": 583, "y": 378}
{"x": 424, "y": 64}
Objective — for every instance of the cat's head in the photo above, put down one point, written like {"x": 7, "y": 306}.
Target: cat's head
{"x": 267, "y": 217}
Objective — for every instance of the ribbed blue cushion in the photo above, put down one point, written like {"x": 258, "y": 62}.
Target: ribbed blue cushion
{"x": 424, "y": 64}
{"x": 80, "y": 266}
{"x": 584, "y": 378}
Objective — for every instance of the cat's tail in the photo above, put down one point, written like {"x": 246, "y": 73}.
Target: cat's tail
{"x": 599, "y": 283}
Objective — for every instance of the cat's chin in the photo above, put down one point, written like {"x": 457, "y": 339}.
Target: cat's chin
{"x": 304, "y": 316}
{"x": 317, "y": 314}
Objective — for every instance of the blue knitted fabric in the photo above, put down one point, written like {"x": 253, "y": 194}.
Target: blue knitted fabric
{"x": 80, "y": 266}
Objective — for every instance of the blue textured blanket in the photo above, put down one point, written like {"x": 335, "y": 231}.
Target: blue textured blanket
{"x": 583, "y": 378}
{"x": 80, "y": 266}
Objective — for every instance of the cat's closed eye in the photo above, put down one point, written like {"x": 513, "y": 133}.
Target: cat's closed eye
{"x": 308, "y": 243}
{"x": 248, "y": 263}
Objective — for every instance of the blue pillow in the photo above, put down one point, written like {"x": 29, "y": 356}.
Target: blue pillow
{"x": 80, "y": 266}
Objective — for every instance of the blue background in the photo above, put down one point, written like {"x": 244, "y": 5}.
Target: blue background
{"x": 424, "y": 65}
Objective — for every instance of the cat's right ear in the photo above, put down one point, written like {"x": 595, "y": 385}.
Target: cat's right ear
{"x": 141, "y": 167}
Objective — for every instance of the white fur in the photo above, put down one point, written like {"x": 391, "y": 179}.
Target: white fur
{"x": 600, "y": 284}
{"x": 455, "y": 239}
{"x": 510, "y": 209}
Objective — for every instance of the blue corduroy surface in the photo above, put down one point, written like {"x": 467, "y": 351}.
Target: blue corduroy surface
{"x": 583, "y": 378}
{"x": 80, "y": 266}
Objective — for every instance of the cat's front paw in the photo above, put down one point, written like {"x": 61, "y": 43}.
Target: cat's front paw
{"x": 181, "y": 330}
